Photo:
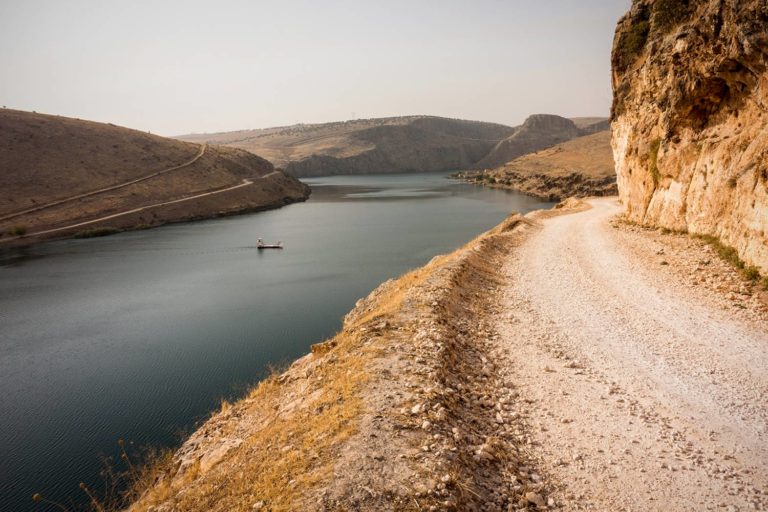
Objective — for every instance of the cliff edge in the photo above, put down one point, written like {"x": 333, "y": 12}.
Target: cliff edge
{"x": 690, "y": 119}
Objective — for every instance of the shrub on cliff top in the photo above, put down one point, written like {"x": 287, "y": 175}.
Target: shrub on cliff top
{"x": 669, "y": 13}
{"x": 632, "y": 42}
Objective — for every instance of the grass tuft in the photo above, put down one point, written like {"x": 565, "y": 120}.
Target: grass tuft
{"x": 731, "y": 256}
{"x": 18, "y": 230}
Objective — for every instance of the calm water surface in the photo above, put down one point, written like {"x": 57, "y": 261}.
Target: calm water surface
{"x": 140, "y": 335}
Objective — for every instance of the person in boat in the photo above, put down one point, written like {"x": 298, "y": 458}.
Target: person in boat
{"x": 259, "y": 243}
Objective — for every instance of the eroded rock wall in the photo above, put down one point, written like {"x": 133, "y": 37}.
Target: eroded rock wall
{"x": 690, "y": 118}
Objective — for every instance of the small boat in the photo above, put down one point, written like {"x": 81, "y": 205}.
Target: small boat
{"x": 261, "y": 245}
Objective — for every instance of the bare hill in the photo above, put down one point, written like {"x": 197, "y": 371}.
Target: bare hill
{"x": 59, "y": 172}
{"x": 580, "y": 167}
{"x": 538, "y": 132}
{"x": 397, "y": 144}
{"x": 401, "y": 144}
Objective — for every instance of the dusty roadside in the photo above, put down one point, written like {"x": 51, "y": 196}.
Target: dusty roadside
{"x": 644, "y": 359}
{"x": 552, "y": 363}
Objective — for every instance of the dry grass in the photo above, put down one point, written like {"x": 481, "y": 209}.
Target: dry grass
{"x": 293, "y": 450}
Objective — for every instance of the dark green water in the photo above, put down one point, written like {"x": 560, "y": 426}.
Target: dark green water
{"x": 140, "y": 335}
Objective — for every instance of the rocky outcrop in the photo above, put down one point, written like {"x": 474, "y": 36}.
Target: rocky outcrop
{"x": 537, "y": 132}
{"x": 690, "y": 119}
{"x": 581, "y": 167}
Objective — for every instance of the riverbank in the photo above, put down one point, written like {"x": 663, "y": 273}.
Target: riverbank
{"x": 581, "y": 167}
{"x": 459, "y": 387}
{"x": 403, "y": 409}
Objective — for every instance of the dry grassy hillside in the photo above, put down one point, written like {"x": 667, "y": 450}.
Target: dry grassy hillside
{"x": 397, "y": 144}
{"x": 59, "y": 172}
{"x": 580, "y": 167}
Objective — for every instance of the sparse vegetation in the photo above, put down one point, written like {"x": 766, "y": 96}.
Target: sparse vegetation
{"x": 95, "y": 232}
{"x": 669, "y": 13}
{"x": 121, "y": 486}
{"x": 731, "y": 255}
{"x": 18, "y": 230}
{"x": 632, "y": 42}
{"x": 653, "y": 162}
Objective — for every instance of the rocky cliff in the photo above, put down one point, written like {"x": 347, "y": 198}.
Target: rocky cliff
{"x": 690, "y": 118}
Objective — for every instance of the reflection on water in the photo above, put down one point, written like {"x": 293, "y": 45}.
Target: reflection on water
{"x": 139, "y": 335}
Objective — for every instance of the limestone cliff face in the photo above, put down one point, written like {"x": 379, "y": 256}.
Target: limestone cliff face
{"x": 690, "y": 118}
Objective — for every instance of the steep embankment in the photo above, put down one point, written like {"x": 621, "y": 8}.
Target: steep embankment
{"x": 464, "y": 384}
{"x": 690, "y": 118}
{"x": 578, "y": 168}
{"x": 62, "y": 176}
{"x": 365, "y": 146}
{"x": 404, "y": 409}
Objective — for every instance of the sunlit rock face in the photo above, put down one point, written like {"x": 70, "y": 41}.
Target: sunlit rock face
{"x": 690, "y": 118}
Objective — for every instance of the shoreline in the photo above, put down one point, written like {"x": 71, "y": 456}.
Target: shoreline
{"x": 24, "y": 241}
{"x": 541, "y": 185}
{"x": 389, "y": 413}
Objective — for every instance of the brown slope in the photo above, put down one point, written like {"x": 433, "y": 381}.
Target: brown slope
{"x": 580, "y": 167}
{"x": 537, "y": 132}
{"x": 57, "y": 172}
{"x": 398, "y": 144}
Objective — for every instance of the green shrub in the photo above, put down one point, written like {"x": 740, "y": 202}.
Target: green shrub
{"x": 94, "y": 232}
{"x": 669, "y": 13}
{"x": 752, "y": 273}
{"x": 633, "y": 41}
{"x": 18, "y": 230}
{"x": 731, "y": 255}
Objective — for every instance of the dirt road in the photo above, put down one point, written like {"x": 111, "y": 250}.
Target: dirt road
{"x": 638, "y": 391}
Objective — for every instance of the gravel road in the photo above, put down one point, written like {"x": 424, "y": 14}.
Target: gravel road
{"x": 639, "y": 393}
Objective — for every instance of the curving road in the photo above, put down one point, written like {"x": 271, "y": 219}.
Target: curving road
{"x": 245, "y": 183}
{"x": 647, "y": 397}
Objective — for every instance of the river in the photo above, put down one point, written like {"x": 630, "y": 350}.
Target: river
{"x": 140, "y": 335}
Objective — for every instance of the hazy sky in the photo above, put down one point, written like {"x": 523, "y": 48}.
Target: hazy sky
{"x": 175, "y": 67}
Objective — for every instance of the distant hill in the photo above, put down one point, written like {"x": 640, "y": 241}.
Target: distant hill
{"x": 538, "y": 132}
{"x": 365, "y": 146}
{"x": 399, "y": 144}
{"x": 58, "y": 171}
{"x": 580, "y": 167}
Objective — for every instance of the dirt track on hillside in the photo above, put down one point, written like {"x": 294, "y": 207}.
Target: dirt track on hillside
{"x": 640, "y": 390}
